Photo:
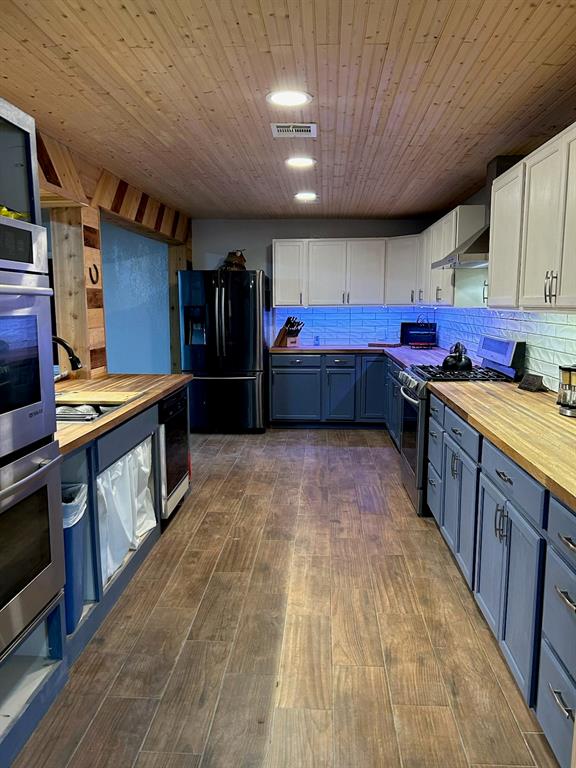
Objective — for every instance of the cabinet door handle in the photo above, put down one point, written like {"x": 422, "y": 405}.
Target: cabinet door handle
{"x": 438, "y": 291}
{"x": 300, "y": 298}
{"x": 433, "y": 409}
{"x": 568, "y": 542}
{"x": 546, "y": 283}
{"x": 420, "y": 295}
{"x": 497, "y": 513}
{"x": 457, "y": 432}
{"x": 504, "y": 477}
{"x": 453, "y": 466}
{"x": 502, "y": 532}
{"x": 564, "y": 595}
{"x": 432, "y": 482}
{"x": 553, "y": 285}
{"x": 348, "y": 297}
{"x": 412, "y": 295}
{"x": 485, "y": 292}
{"x": 343, "y": 297}
{"x": 560, "y": 703}
{"x": 433, "y": 434}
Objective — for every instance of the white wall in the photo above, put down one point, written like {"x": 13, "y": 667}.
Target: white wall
{"x": 213, "y": 238}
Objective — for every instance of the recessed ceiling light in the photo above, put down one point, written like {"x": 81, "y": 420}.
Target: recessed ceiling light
{"x": 288, "y": 98}
{"x": 300, "y": 162}
{"x": 306, "y": 197}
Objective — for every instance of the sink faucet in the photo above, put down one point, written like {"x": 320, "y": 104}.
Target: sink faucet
{"x": 75, "y": 362}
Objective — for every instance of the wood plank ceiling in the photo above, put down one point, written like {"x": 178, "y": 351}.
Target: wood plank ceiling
{"x": 412, "y": 97}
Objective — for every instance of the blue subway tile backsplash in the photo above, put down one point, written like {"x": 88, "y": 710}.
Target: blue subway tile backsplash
{"x": 550, "y": 338}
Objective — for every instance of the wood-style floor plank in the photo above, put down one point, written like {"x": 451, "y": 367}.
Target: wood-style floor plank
{"x": 241, "y": 729}
{"x": 309, "y": 590}
{"x": 393, "y": 590}
{"x": 219, "y": 611}
{"x": 305, "y": 679}
{"x": 302, "y": 738}
{"x": 413, "y": 671}
{"x": 355, "y": 638}
{"x": 183, "y": 718}
{"x": 165, "y": 760}
{"x": 428, "y": 736}
{"x": 364, "y": 732}
{"x": 258, "y": 643}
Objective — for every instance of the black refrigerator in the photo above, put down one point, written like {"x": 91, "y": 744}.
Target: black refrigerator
{"x": 222, "y": 339}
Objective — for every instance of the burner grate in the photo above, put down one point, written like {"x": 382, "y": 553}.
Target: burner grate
{"x": 437, "y": 373}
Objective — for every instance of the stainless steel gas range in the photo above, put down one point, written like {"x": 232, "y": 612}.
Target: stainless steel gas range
{"x": 502, "y": 360}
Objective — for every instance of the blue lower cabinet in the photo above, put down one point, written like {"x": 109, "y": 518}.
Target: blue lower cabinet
{"x": 339, "y": 394}
{"x": 372, "y": 384}
{"x": 521, "y": 610}
{"x": 556, "y": 704}
{"x": 490, "y": 553}
{"x": 459, "y": 514}
{"x": 296, "y": 394}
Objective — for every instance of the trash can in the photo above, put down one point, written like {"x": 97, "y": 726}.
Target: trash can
{"x": 74, "y": 505}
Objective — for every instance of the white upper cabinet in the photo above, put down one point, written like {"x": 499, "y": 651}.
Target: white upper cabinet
{"x": 402, "y": 254}
{"x": 423, "y": 271}
{"x": 365, "y": 271}
{"x": 289, "y": 273}
{"x": 506, "y": 238}
{"x": 327, "y": 272}
{"x": 541, "y": 237}
{"x": 563, "y": 293}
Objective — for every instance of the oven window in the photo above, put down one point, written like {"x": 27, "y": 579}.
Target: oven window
{"x": 19, "y": 363}
{"x": 409, "y": 445}
{"x": 24, "y": 544}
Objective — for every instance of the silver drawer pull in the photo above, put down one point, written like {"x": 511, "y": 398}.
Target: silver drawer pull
{"x": 568, "y": 542}
{"x": 432, "y": 482}
{"x": 456, "y": 432}
{"x": 557, "y": 695}
{"x": 565, "y": 597}
{"x": 337, "y": 360}
{"x": 434, "y": 410}
{"x": 433, "y": 434}
{"x": 504, "y": 477}
{"x": 295, "y": 362}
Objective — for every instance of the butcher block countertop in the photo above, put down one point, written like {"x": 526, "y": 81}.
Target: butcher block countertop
{"x": 151, "y": 388}
{"x": 526, "y": 426}
{"x": 402, "y": 355}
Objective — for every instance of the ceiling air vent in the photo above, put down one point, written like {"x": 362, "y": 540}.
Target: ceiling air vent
{"x": 294, "y": 130}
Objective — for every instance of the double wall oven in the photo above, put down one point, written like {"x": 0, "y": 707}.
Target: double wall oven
{"x": 31, "y": 536}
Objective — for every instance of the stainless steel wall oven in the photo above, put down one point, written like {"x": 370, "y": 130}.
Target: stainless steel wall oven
{"x": 31, "y": 544}
{"x": 27, "y": 407}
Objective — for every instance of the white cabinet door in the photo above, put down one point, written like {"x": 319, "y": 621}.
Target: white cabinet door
{"x": 564, "y": 280}
{"x": 326, "y": 272}
{"x": 401, "y": 265}
{"x": 289, "y": 273}
{"x": 541, "y": 240}
{"x": 448, "y": 227}
{"x": 366, "y": 260}
{"x": 506, "y": 238}
{"x": 423, "y": 274}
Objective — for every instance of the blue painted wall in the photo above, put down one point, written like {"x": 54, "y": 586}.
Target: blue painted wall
{"x": 137, "y": 310}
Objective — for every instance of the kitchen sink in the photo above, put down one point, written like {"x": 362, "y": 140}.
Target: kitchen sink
{"x": 86, "y": 412}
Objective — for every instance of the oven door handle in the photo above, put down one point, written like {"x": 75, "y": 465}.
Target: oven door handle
{"x": 43, "y": 468}
{"x": 407, "y": 397}
{"x": 24, "y": 290}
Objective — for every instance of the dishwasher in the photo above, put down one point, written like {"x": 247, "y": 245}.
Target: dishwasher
{"x": 174, "y": 450}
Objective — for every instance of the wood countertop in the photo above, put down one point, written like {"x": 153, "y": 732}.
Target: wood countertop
{"x": 402, "y": 355}
{"x": 73, "y": 435}
{"x": 526, "y": 426}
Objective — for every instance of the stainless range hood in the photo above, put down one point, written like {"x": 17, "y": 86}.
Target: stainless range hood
{"x": 473, "y": 252}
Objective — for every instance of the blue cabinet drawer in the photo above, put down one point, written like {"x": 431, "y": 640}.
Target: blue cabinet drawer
{"x": 559, "y": 622}
{"x": 556, "y": 705}
{"x": 434, "y": 493}
{"x": 435, "y": 433}
{"x": 562, "y": 530}
{"x": 296, "y": 361}
{"x": 340, "y": 361}
{"x": 437, "y": 408}
{"x": 463, "y": 434}
{"x": 516, "y": 484}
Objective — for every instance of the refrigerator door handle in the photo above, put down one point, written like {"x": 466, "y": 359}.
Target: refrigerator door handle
{"x": 217, "y": 319}
{"x": 224, "y": 378}
{"x": 223, "y": 319}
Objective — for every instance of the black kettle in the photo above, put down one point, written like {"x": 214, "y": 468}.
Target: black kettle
{"x": 457, "y": 360}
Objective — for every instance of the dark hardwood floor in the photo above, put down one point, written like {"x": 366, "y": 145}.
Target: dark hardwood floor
{"x": 296, "y": 614}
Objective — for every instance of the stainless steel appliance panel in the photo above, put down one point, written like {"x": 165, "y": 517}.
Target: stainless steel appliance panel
{"x": 174, "y": 450}
{"x": 412, "y": 446}
{"x": 31, "y": 539}
{"x": 27, "y": 401}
